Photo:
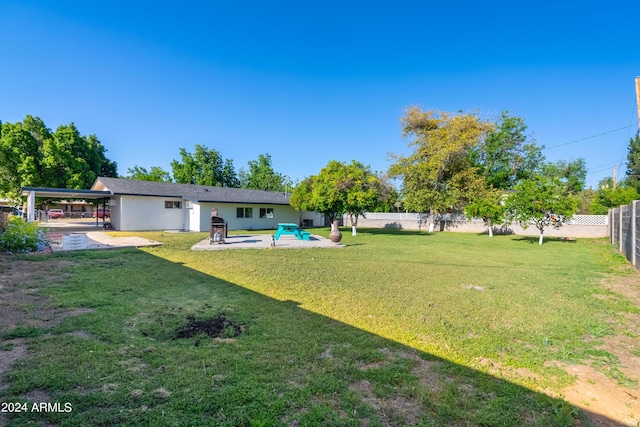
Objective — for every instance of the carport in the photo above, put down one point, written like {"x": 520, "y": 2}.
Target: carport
{"x": 100, "y": 197}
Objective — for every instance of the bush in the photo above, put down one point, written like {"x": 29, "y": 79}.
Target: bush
{"x": 22, "y": 236}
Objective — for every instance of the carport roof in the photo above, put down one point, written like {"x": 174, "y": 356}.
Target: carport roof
{"x": 66, "y": 193}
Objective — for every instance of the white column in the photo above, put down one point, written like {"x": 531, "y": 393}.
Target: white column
{"x": 31, "y": 203}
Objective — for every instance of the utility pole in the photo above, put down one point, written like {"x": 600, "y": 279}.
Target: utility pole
{"x": 614, "y": 176}
{"x": 638, "y": 99}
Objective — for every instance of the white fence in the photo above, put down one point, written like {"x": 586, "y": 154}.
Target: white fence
{"x": 589, "y": 220}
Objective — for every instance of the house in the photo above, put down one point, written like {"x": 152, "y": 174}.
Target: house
{"x": 145, "y": 205}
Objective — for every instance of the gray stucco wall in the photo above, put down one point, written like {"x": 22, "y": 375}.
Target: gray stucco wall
{"x": 410, "y": 222}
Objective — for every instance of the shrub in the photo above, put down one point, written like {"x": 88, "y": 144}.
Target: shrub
{"x": 22, "y": 236}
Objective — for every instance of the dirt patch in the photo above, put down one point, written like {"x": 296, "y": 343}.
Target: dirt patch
{"x": 397, "y": 409}
{"x": 12, "y": 351}
{"x": 215, "y": 327}
{"x": 607, "y": 389}
{"x": 605, "y": 402}
{"x": 37, "y": 396}
{"x": 24, "y": 307}
{"x": 392, "y": 407}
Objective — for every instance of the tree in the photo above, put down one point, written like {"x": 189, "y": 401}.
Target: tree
{"x": 21, "y": 156}
{"x": 261, "y": 176}
{"x": 366, "y": 191}
{"x": 156, "y": 174}
{"x": 389, "y": 196}
{"x": 72, "y": 160}
{"x": 439, "y": 174}
{"x": 587, "y": 199}
{"x": 507, "y": 155}
{"x": 573, "y": 174}
{"x": 338, "y": 189}
{"x": 31, "y": 155}
{"x": 607, "y": 197}
{"x": 229, "y": 176}
{"x": 541, "y": 201}
{"x": 633, "y": 162}
{"x": 204, "y": 167}
{"x": 488, "y": 205}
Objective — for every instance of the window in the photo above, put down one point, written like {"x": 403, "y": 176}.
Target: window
{"x": 266, "y": 212}
{"x": 170, "y": 204}
{"x": 244, "y": 213}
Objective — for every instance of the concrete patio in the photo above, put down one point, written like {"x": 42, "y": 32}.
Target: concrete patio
{"x": 263, "y": 241}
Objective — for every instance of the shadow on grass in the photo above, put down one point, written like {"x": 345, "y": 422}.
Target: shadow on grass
{"x": 552, "y": 240}
{"x": 389, "y": 231}
{"x": 289, "y": 366}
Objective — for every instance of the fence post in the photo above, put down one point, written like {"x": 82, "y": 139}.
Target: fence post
{"x": 633, "y": 232}
{"x": 610, "y": 227}
{"x": 620, "y": 229}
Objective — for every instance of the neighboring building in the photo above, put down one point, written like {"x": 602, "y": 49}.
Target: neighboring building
{"x": 73, "y": 208}
{"x": 146, "y": 205}
{"x": 5, "y": 203}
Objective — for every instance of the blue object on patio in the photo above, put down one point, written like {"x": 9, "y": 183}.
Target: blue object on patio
{"x": 286, "y": 228}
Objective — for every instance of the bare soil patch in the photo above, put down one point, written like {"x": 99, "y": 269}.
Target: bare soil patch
{"x": 391, "y": 408}
{"x": 609, "y": 392}
{"x": 215, "y": 327}
{"x": 22, "y": 303}
{"x": 23, "y": 306}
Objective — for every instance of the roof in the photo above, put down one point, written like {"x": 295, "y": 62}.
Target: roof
{"x": 196, "y": 193}
{"x": 65, "y": 192}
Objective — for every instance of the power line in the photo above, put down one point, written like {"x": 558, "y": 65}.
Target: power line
{"x": 589, "y": 137}
{"x": 605, "y": 167}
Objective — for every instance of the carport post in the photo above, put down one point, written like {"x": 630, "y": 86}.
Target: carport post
{"x": 31, "y": 212}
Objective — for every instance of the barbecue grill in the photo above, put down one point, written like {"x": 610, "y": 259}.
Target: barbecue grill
{"x": 218, "y": 228}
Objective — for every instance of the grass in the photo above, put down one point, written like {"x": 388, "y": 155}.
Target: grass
{"x": 397, "y": 328}
{"x": 22, "y": 332}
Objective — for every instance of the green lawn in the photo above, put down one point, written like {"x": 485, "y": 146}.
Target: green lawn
{"x": 397, "y": 328}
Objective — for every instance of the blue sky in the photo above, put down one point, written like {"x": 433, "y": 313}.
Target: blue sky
{"x": 309, "y": 82}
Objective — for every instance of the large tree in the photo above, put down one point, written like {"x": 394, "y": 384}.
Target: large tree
{"x": 32, "y": 155}
{"x": 262, "y": 176}
{"x": 508, "y": 154}
{"x": 21, "y": 155}
{"x": 204, "y": 167}
{"x": 541, "y": 201}
{"x": 74, "y": 161}
{"x": 340, "y": 188}
{"x": 439, "y": 174}
{"x": 572, "y": 174}
{"x": 156, "y": 174}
